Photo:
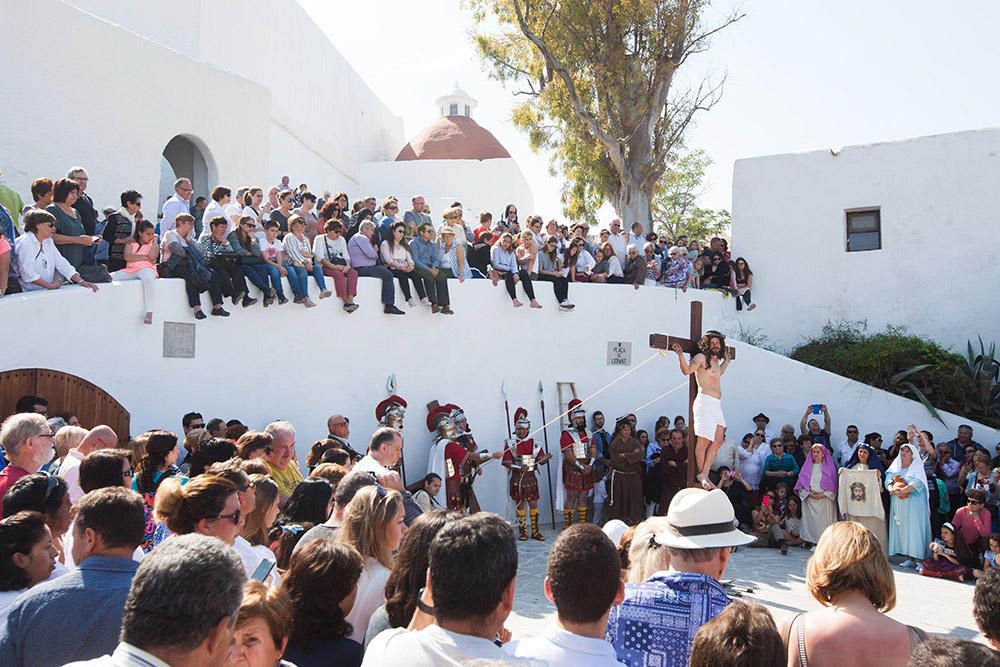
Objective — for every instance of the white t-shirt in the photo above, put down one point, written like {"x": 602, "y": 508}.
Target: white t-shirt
{"x": 559, "y": 648}
{"x": 271, "y": 250}
{"x": 70, "y": 472}
{"x": 434, "y": 646}
{"x": 371, "y": 596}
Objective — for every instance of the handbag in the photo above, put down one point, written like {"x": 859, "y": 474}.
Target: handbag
{"x": 94, "y": 273}
{"x": 163, "y": 270}
{"x": 336, "y": 260}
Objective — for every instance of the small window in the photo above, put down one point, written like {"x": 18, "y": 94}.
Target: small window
{"x": 453, "y": 110}
{"x": 864, "y": 230}
{"x": 468, "y": 111}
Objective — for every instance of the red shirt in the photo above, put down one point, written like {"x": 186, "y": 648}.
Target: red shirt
{"x": 9, "y": 476}
{"x": 965, "y": 523}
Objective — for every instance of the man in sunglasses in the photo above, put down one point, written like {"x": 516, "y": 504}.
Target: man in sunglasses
{"x": 27, "y": 441}
{"x": 339, "y": 428}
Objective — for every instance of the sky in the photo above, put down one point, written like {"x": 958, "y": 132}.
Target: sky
{"x": 800, "y": 75}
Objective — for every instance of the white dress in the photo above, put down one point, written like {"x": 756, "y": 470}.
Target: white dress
{"x": 817, "y": 514}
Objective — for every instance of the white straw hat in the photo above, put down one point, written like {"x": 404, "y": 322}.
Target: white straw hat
{"x": 700, "y": 519}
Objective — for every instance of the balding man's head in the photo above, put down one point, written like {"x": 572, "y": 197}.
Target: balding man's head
{"x": 339, "y": 426}
{"x": 99, "y": 437}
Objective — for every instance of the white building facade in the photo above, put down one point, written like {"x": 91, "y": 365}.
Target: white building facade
{"x": 900, "y": 233}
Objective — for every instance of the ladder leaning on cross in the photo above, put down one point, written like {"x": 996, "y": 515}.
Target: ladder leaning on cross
{"x": 690, "y": 346}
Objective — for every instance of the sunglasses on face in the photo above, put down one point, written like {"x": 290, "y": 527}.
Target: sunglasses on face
{"x": 234, "y": 517}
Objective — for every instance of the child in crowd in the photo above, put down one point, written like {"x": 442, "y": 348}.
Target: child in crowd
{"x": 951, "y": 557}
{"x": 991, "y": 559}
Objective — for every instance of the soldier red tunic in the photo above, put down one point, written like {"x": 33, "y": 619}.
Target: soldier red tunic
{"x": 454, "y": 456}
{"x": 576, "y": 443}
{"x": 523, "y": 482}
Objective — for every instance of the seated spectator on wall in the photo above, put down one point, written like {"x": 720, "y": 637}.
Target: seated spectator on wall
{"x": 678, "y": 271}
{"x": 653, "y": 265}
{"x": 409, "y": 574}
{"x": 263, "y": 625}
{"x": 224, "y": 262}
{"x": 274, "y": 256}
{"x": 108, "y": 527}
{"x": 252, "y": 200}
{"x": 850, "y": 576}
{"x": 699, "y": 537}
{"x": 322, "y": 583}
{"x": 299, "y": 251}
{"x": 599, "y": 273}
{"x": 743, "y": 635}
{"x": 457, "y": 258}
{"x": 550, "y": 270}
{"x": 505, "y": 267}
{"x": 582, "y": 581}
{"x": 633, "y": 271}
{"x": 120, "y": 227}
{"x": 168, "y": 619}
{"x": 744, "y": 283}
{"x": 184, "y": 260}
{"x": 39, "y": 264}
{"x": 395, "y": 253}
{"x": 282, "y": 214}
{"x": 330, "y": 249}
{"x": 305, "y": 209}
{"x": 141, "y": 253}
{"x": 70, "y": 237}
{"x": 427, "y": 257}
{"x": 464, "y": 607}
{"x": 583, "y": 268}
{"x": 486, "y": 223}
{"x": 27, "y": 556}
{"x": 264, "y": 277}
{"x": 207, "y": 505}
{"x": 364, "y": 260}
{"x": 284, "y": 469}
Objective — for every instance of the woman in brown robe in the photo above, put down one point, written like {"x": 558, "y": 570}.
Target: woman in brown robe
{"x": 625, "y": 482}
{"x": 673, "y": 465}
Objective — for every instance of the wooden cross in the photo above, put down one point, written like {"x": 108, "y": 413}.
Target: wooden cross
{"x": 690, "y": 346}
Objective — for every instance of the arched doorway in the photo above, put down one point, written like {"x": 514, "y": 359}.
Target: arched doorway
{"x": 186, "y": 156}
{"x": 65, "y": 393}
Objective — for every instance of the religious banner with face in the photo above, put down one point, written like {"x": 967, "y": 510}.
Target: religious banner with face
{"x": 859, "y": 493}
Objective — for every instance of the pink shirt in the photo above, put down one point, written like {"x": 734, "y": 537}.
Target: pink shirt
{"x": 964, "y": 523}
{"x": 140, "y": 264}
{"x": 8, "y": 476}
{"x": 4, "y": 246}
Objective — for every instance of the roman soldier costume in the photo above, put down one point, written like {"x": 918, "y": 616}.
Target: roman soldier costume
{"x": 578, "y": 459}
{"x": 447, "y": 456}
{"x": 521, "y": 458}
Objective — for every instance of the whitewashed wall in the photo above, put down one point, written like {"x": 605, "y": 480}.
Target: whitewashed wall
{"x": 934, "y": 273}
{"x": 473, "y": 182}
{"x": 304, "y": 365}
{"x": 105, "y": 98}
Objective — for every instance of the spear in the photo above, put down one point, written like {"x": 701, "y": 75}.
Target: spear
{"x": 506, "y": 407}
{"x": 548, "y": 468}
{"x": 390, "y": 386}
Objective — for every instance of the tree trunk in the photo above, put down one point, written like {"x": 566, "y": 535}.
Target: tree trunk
{"x": 633, "y": 205}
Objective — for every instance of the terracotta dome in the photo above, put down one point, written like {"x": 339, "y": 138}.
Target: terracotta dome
{"x": 453, "y": 138}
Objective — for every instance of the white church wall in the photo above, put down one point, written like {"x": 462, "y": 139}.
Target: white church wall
{"x": 481, "y": 185}
{"x": 938, "y": 207}
{"x": 134, "y": 97}
{"x": 331, "y": 119}
{"x": 304, "y": 365}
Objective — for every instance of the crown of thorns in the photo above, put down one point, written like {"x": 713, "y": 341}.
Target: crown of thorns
{"x": 706, "y": 341}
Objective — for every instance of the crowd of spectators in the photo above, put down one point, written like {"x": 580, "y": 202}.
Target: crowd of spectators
{"x": 334, "y": 568}
{"x": 234, "y": 240}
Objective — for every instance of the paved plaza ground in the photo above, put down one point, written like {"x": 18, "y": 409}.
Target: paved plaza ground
{"x": 779, "y": 583}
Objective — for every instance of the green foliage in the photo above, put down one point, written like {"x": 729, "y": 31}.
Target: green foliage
{"x": 675, "y": 201}
{"x": 597, "y": 80}
{"x": 903, "y": 364}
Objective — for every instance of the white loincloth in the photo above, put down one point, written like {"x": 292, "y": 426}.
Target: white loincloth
{"x": 707, "y": 415}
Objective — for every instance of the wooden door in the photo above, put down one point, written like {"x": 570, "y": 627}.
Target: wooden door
{"x": 65, "y": 393}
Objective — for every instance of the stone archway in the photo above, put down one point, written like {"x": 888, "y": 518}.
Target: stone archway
{"x": 65, "y": 393}
{"x": 186, "y": 156}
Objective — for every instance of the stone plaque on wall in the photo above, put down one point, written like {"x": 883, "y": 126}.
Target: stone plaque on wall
{"x": 178, "y": 340}
{"x": 619, "y": 353}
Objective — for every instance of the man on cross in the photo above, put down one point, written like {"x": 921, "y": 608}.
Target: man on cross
{"x": 709, "y": 423}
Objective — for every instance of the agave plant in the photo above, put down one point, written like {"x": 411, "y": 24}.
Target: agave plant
{"x": 984, "y": 373}
{"x": 907, "y": 387}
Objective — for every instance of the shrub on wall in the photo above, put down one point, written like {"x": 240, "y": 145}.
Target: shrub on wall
{"x": 898, "y": 362}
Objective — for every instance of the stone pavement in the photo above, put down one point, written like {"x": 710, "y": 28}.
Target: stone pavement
{"x": 779, "y": 583}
